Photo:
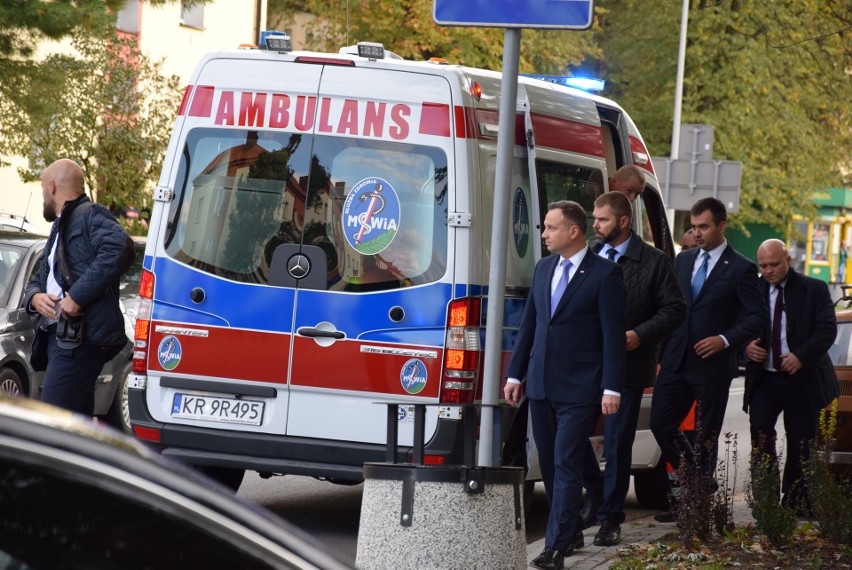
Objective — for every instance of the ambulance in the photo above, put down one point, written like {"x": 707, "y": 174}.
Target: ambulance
{"x": 320, "y": 243}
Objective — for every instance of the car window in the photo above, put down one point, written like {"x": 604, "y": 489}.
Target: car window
{"x": 62, "y": 520}
{"x": 10, "y": 256}
{"x": 129, "y": 286}
{"x": 841, "y": 351}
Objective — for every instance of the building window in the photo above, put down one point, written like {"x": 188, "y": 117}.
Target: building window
{"x": 192, "y": 14}
{"x": 127, "y": 19}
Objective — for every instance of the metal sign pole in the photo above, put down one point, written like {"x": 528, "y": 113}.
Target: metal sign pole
{"x": 499, "y": 240}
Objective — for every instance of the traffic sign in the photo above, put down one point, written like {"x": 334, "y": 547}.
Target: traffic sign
{"x": 564, "y": 14}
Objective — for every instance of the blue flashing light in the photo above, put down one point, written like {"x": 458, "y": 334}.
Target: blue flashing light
{"x": 584, "y": 83}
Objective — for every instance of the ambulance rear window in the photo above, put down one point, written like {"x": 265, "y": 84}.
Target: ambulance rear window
{"x": 377, "y": 210}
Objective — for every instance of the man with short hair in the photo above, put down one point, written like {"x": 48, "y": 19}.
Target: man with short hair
{"x": 726, "y": 311}
{"x": 569, "y": 353}
{"x": 655, "y": 307}
{"x": 789, "y": 369}
{"x": 75, "y": 291}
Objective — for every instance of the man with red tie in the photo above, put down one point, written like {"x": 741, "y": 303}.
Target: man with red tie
{"x": 789, "y": 369}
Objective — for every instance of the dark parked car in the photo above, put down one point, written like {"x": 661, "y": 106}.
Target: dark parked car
{"x": 19, "y": 253}
{"x": 77, "y": 495}
{"x": 841, "y": 355}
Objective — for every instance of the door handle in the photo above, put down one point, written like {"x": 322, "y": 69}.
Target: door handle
{"x": 315, "y": 333}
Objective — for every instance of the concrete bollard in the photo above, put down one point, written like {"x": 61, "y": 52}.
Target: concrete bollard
{"x": 416, "y": 516}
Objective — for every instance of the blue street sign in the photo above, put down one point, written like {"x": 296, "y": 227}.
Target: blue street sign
{"x": 565, "y": 14}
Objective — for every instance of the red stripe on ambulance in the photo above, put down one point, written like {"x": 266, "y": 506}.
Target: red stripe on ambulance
{"x": 226, "y": 353}
{"x": 363, "y": 372}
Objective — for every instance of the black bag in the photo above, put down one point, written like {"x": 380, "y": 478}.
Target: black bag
{"x": 38, "y": 354}
{"x": 69, "y": 332}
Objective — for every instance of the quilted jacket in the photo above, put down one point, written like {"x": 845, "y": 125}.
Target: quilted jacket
{"x": 655, "y": 306}
{"x": 95, "y": 244}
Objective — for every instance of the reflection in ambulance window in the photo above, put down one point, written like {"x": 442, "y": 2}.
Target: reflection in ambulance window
{"x": 407, "y": 198}
{"x": 242, "y": 194}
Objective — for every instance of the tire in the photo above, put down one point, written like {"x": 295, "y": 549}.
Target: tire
{"x": 10, "y": 383}
{"x": 652, "y": 487}
{"x": 119, "y": 412}
{"x": 230, "y": 477}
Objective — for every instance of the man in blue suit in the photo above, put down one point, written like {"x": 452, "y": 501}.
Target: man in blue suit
{"x": 569, "y": 359}
{"x": 726, "y": 310}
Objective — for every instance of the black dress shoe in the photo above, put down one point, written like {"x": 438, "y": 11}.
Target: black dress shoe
{"x": 665, "y": 517}
{"x": 549, "y": 559}
{"x": 589, "y": 509}
{"x": 609, "y": 534}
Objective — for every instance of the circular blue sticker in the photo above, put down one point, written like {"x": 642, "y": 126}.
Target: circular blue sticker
{"x": 413, "y": 376}
{"x": 169, "y": 352}
{"x": 371, "y": 215}
{"x": 520, "y": 222}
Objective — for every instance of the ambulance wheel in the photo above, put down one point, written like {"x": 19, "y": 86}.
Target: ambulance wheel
{"x": 652, "y": 487}
{"x": 228, "y": 476}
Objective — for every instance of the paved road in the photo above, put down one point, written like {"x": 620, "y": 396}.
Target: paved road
{"x": 331, "y": 512}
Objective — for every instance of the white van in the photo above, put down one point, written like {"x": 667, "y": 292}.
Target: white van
{"x": 319, "y": 244}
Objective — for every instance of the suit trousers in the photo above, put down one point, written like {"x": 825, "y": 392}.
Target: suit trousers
{"x": 71, "y": 375}
{"x": 619, "y": 433}
{"x": 775, "y": 393}
{"x": 674, "y": 394}
{"x": 561, "y": 431}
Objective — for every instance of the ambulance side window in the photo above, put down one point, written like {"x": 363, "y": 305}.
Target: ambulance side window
{"x": 560, "y": 181}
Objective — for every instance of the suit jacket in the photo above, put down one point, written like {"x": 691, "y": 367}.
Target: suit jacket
{"x": 655, "y": 306}
{"x": 580, "y": 351}
{"x": 811, "y": 329}
{"x": 730, "y": 303}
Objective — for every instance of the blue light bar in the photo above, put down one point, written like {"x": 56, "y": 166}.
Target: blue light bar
{"x": 584, "y": 83}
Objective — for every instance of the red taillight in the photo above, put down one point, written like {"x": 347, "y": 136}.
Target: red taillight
{"x": 433, "y": 459}
{"x": 147, "y": 434}
{"x": 461, "y": 352}
{"x": 143, "y": 323}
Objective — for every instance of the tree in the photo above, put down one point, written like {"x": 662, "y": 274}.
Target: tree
{"x": 772, "y": 78}
{"x": 406, "y": 28}
{"x": 111, "y": 111}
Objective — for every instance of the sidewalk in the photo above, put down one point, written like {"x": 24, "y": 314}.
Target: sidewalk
{"x": 639, "y": 530}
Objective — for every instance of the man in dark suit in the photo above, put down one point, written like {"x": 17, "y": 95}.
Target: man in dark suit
{"x": 726, "y": 311}
{"x": 789, "y": 369}
{"x": 569, "y": 353}
{"x": 655, "y": 307}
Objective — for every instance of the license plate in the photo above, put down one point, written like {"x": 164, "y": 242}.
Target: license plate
{"x": 214, "y": 409}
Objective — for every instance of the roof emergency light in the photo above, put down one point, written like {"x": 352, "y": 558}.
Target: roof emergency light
{"x": 371, "y": 50}
{"x": 274, "y": 40}
{"x": 584, "y": 83}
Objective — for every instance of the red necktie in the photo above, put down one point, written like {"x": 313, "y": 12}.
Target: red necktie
{"x": 776, "y": 329}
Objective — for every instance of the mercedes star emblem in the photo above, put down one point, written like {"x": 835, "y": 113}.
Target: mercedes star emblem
{"x": 298, "y": 266}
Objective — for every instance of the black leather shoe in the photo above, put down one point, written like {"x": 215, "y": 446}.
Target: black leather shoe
{"x": 665, "y": 517}
{"x": 589, "y": 509}
{"x": 579, "y": 542}
{"x": 609, "y": 534}
{"x": 549, "y": 559}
